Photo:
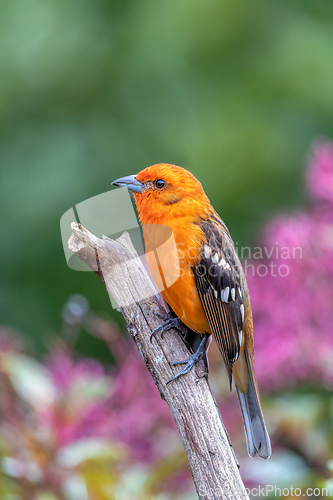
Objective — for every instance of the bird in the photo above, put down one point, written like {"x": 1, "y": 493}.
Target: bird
{"x": 201, "y": 279}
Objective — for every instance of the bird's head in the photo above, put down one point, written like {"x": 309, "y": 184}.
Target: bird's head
{"x": 165, "y": 191}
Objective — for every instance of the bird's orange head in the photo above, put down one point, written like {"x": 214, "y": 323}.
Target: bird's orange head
{"x": 164, "y": 192}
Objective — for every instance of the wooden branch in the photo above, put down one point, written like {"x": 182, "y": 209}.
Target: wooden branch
{"x": 212, "y": 462}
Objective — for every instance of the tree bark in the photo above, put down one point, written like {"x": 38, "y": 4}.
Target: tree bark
{"x": 212, "y": 462}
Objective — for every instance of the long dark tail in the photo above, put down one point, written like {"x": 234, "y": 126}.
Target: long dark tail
{"x": 257, "y": 437}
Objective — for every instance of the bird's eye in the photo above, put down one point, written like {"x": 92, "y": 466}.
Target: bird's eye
{"x": 160, "y": 183}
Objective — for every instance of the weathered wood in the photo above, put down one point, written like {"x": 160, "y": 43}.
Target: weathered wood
{"x": 212, "y": 463}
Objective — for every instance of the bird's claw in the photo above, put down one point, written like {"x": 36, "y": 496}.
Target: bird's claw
{"x": 168, "y": 323}
{"x": 191, "y": 361}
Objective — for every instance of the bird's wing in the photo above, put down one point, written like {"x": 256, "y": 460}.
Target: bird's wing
{"x": 219, "y": 284}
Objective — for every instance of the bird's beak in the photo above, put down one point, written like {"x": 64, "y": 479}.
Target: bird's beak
{"x": 130, "y": 183}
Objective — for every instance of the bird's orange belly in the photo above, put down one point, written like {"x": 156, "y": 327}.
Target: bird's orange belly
{"x": 184, "y": 300}
{"x": 170, "y": 264}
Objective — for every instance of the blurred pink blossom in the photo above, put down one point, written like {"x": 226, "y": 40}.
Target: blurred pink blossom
{"x": 320, "y": 175}
{"x": 293, "y": 314}
{"x": 123, "y": 405}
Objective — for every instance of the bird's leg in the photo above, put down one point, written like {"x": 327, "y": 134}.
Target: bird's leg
{"x": 167, "y": 324}
{"x": 192, "y": 360}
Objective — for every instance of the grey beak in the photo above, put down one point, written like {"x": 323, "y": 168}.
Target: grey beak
{"x": 130, "y": 183}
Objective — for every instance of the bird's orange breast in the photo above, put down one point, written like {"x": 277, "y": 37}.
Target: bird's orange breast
{"x": 171, "y": 257}
{"x": 184, "y": 300}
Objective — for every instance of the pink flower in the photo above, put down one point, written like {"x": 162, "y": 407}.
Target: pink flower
{"x": 293, "y": 309}
{"x": 320, "y": 175}
{"x": 123, "y": 406}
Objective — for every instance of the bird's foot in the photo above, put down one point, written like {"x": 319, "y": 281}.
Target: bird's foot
{"x": 191, "y": 361}
{"x": 168, "y": 323}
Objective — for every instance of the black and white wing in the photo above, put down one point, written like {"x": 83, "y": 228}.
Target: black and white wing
{"x": 219, "y": 283}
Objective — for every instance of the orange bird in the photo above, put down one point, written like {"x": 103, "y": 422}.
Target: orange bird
{"x": 209, "y": 292}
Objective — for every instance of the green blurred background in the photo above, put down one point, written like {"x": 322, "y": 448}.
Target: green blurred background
{"x": 234, "y": 91}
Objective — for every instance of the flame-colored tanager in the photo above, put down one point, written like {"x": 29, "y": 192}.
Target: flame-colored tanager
{"x": 210, "y": 295}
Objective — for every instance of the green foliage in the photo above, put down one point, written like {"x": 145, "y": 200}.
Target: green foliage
{"x": 90, "y": 91}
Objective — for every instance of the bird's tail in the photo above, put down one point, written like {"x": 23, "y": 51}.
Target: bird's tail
{"x": 257, "y": 437}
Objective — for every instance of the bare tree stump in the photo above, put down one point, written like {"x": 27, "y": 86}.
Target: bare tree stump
{"x": 212, "y": 462}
